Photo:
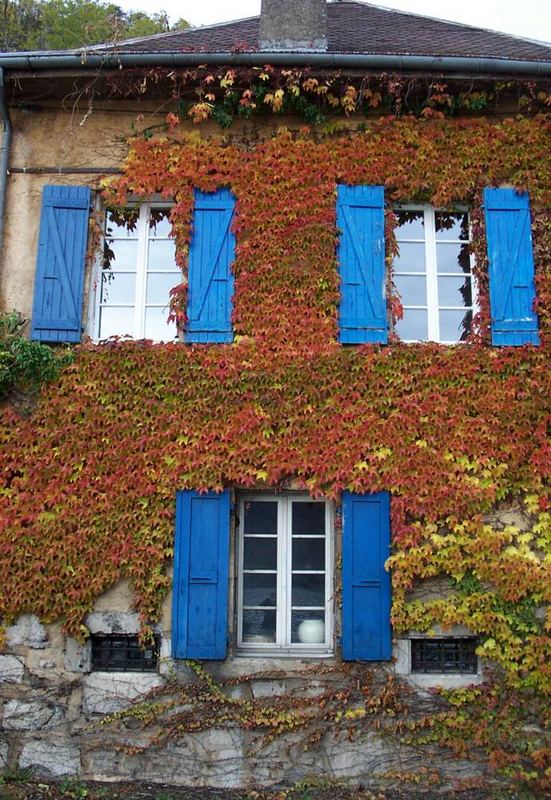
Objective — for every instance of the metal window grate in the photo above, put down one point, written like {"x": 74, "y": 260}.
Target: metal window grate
{"x": 123, "y": 654}
{"x": 451, "y": 655}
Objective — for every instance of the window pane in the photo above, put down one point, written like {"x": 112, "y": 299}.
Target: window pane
{"x": 309, "y": 519}
{"x": 308, "y": 553}
{"x": 411, "y": 225}
{"x": 308, "y": 627}
{"x": 156, "y": 326}
{"x": 412, "y": 288}
{"x": 308, "y": 590}
{"x": 159, "y": 285}
{"x": 118, "y": 287}
{"x": 122, "y": 224}
{"x": 161, "y": 254}
{"x": 452, "y": 226}
{"x": 455, "y": 326}
{"x": 124, "y": 253}
{"x": 260, "y": 517}
{"x": 413, "y": 326}
{"x": 116, "y": 321}
{"x": 411, "y": 258}
{"x": 260, "y": 553}
{"x": 454, "y": 292}
{"x": 259, "y": 626}
{"x": 159, "y": 225}
{"x": 259, "y": 589}
{"x": 453, "y": 257}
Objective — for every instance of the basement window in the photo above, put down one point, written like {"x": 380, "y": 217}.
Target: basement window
{"x": 121, "y": 653}
{"x": 452, "y": 655}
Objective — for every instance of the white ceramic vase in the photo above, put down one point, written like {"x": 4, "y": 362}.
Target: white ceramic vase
{"x": 311, "y": 631}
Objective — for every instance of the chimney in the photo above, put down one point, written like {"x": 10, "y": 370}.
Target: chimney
{"x": 293, "y": 25}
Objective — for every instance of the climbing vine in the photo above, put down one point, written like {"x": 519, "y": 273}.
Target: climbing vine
{"x": 453, "y": 433}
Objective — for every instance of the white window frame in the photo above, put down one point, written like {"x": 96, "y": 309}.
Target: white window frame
{"x": 283, "y": 645}
{"x": 433, "y": 308}
{"x": 141, "y": 272}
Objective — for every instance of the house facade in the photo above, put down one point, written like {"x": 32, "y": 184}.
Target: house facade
{"x": 295, "y": 476}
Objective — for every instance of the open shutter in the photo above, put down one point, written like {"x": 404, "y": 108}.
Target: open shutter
{"x": 59, "y": 281}
{"x": 361, "y": 256}
{"x": 366, "y": 631}
{"x": 210, "y": 280}
{"x": 511, "y": 267}
{"x": 201, "y": 561}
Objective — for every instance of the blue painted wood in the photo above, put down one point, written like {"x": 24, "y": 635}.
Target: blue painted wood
{"x": 361, "y": 257}
{"x": 366, "y": 633}
{"x": 210, "y": 279}
{"x": 200, "y": 586}
{"x": 60, "y": 264}
{"x": 511, "y": 267}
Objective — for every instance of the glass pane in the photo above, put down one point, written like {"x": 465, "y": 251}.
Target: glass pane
{"x": 412, "y": 288}
{"x": 260, "y": 553}
{"x": 260, "y": 517}
{"x": 453, "y": 257}
{"x": 454, "y": 292}
{"x": 122, "y": 224}
{"x": 413, "y": 327}
{"x": 116, "y": 321}
{"x": 411, "y": 225}
{"x": 123, "y": 255}
{"x": 118, "y": 287}
{"x": 452, "y": 226}
{"x": 161, "y": 254}
{"x": 159, "y": 224}
{"x": 309, "y": 518}
{"x": 308, "y": 553}
{"x": 308, "y": 627}
{"x": 411, "y": 258}
{"x": 159, "y": 285}
{"x": 259, "y": 626}
{"x": 455, "y": 326}
{"x": 308, "y": 590}
{"x": 156, "y": 326}
{"x": 259, "y": 589}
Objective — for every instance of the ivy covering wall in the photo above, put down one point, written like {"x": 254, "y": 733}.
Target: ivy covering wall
{"x": 89, "y": 481}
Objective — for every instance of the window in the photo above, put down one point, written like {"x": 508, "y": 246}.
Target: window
{"x": 284, "y": 576}
{"x": 138, "y": 272}
{"x": 449, "y": 655}
{"x": 433, "y": 275}
{"x": 123, "y": 653}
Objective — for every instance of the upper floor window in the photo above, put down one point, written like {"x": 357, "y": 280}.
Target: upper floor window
{"x": 433, "y": 275}
{"x": 138, "y": 272}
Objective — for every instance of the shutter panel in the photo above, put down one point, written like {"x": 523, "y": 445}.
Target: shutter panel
{"x": 201, "y": 562}
{"x": 366, "y": 631}
{"x": 361, "y": 256}
{"x": 511, "y": 267}
{"x": 59, "y": 281}
{"x": 210, "y": 280}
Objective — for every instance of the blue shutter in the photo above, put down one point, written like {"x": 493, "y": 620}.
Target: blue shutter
{"x": 361, "y": 256}
{"x": 210, "y": 280}
{"x": 200, "y": 588}
{"x": 366, "y": 631}
{"x": 511, "y": 266}
{"x": 59, "y": 281}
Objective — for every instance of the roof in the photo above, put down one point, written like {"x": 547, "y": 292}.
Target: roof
{"x": 353, "y": 27}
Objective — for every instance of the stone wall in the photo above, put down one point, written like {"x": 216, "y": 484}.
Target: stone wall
{"x": 51, "y": 706}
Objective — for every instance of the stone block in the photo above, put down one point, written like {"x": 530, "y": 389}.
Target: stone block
{"x": 50, "y": 759}
{"x": 27, "y": 631}
{"x": 113, "y": 622}
{"x": 77, "y": 657}
{"x": 268, "y": 688}
{"x": 34, "y": 716}
{"x": 4, "y": 748}
{"x": 11, "y": 669}
{"x": 107, "y": 692}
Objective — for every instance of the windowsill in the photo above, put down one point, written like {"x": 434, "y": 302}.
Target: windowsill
{"x": 269, "y": 653}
